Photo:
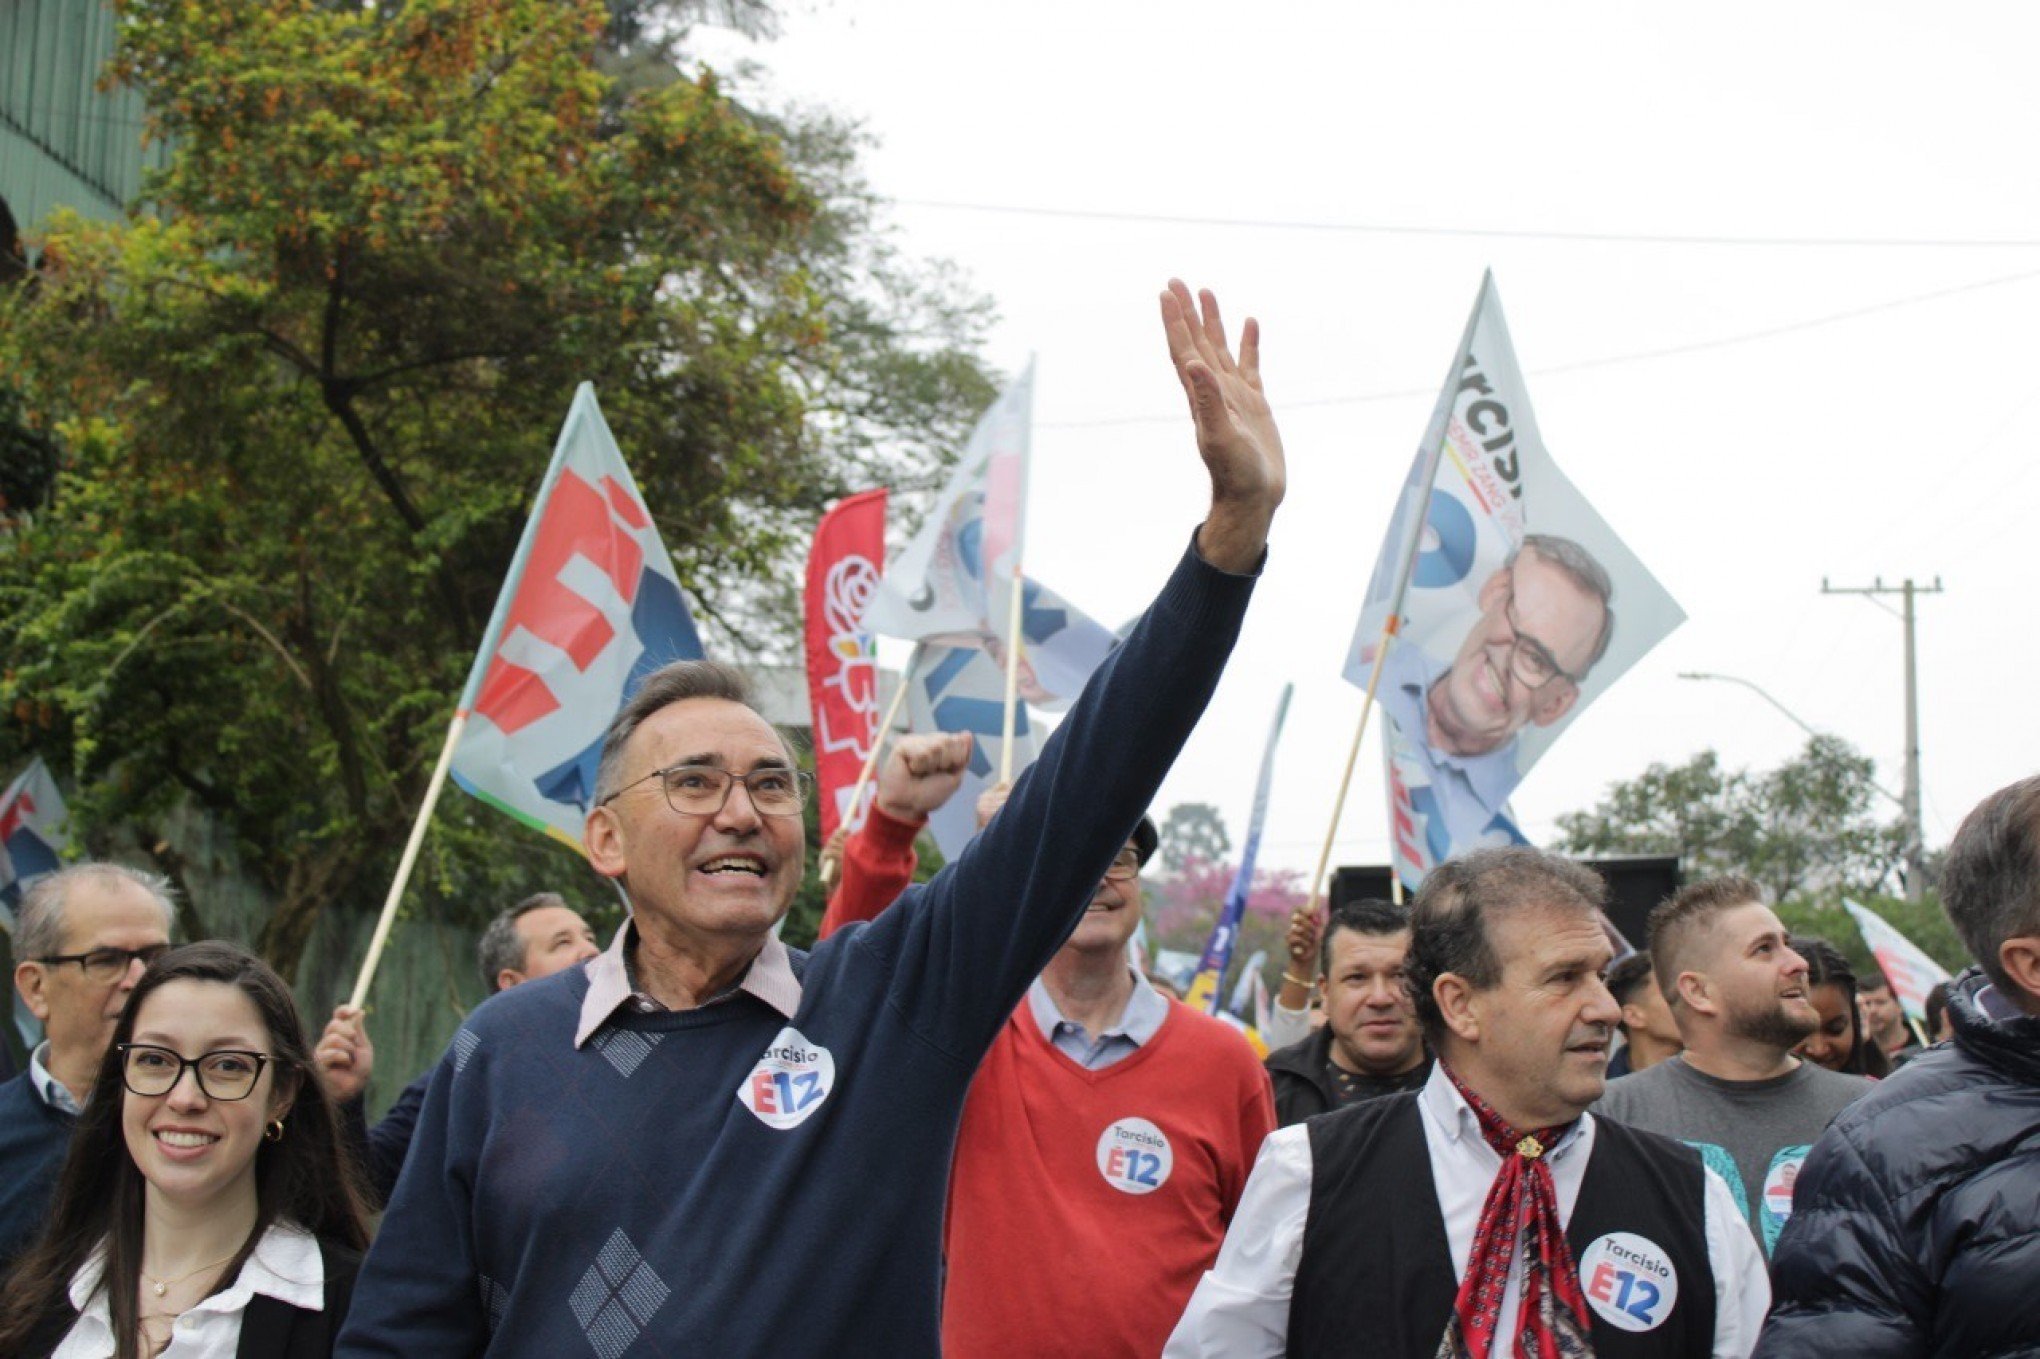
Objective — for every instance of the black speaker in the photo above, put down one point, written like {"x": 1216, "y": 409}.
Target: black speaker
{"x": 1636, "y": 884}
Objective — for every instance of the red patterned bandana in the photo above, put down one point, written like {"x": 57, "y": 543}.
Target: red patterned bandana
{"x": 1521, "y": 1213}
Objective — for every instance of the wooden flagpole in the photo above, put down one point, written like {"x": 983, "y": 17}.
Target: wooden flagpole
{"x": 404, "y": 865}
{"x": 864, "y": 775}
{"x": 1317, "y": 877}
{"x": 1012, "y": 676}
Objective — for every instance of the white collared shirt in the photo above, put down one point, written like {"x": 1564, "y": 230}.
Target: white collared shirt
{"x": 1241, "y": 1306}
{"x": 286, "y": 1265}
{"x": 53, "y": 1091}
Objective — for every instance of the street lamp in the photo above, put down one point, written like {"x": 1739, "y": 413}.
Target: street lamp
{"x": 1791, "y": 716}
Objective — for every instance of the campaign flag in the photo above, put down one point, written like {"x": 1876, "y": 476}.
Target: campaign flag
{"x": 950, "y": 583}
{"x": 842, "y": 657}
{"x": 1264, "y": 1015}
{"x": 962, "y": 688}
{"x": 1217, "y": 956}
{"x": 1909, "y": 970}
{"x": 32, "y": 834}
{"x": 1518, "y": 607}
{"x": 1243, "y": 989}
{"x": 591, "y": 606}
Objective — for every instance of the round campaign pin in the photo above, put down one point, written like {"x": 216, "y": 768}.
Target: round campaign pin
{"x": 789, "y": 1082}
{"x": 1134, "y": 1156}
{"x": 1778, "y": 1183}
{"x": 1629, "y": 1281}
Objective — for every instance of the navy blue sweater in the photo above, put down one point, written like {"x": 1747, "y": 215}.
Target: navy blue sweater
{"x": 33, "y": 1140}
{"x": 625, "y": 1199}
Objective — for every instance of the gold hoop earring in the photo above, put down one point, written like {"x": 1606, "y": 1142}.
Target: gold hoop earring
{"x": 274, "y": 1132}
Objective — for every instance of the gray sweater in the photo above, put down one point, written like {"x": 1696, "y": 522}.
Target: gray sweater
{"x": 1754, "y": 1134}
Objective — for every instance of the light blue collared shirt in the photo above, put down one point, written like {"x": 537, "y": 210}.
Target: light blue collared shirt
{"x": 1470, "y": 789}
{"x": 1141, "y": 1020}
{"x": 53, "y": 1091}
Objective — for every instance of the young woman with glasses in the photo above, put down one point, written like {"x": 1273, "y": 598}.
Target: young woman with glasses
{"x": 207, "y": 1208}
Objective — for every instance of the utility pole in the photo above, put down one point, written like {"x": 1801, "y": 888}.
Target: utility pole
{"x": 1915, "y": 837}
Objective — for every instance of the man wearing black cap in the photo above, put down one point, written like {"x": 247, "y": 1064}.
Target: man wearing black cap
{"x": 1107, "y": 1137}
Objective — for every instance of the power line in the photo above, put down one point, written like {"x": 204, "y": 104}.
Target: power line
{"x": 1480, "y": 233}
{"x": 1607, "y": 361}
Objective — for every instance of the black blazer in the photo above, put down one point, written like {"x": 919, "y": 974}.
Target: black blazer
{"x": 269, "y": 1329}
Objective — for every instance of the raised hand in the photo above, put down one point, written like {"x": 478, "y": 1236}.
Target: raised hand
{"x": 1304, "y": 933}
{"x": 344, "y": 1058}
{"x": 990, "y": 800}
{"x": 922, "y": 772}
{"x": 1236, "y": 433}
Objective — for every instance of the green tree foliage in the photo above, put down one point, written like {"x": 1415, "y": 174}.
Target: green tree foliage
{"x": 302, "y": 400}
{"x": 1808, "y": 827}
{"x": 1193, "y": 833}
{"x": 1923, "y": 922}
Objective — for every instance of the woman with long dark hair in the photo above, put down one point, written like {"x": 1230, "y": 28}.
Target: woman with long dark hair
{"x": 1839, "y": 1043}
{"x": 207, "y": 1207}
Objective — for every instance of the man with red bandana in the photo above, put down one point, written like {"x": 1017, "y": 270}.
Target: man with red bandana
{"x": 1488, "y": 1214}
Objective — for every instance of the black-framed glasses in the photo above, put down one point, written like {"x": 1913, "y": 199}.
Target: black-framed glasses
{"x": 1125, "y": 866}
{"x": 109, "y": 964}
{"x": 703, "y": 789}
{"x": 225, "y": 1074}
{"x": 1530, "y": 661}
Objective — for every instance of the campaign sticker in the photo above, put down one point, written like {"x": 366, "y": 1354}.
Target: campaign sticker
{"x": 1134, "y": 1157}
{"x": 790, "y": 1081}
{"x": 1630, "y": 1282}
{"x": 1777, "y": 1198}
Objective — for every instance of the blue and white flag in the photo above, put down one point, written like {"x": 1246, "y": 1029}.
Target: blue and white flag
{"x": 33, "y": 836}
{"x": 1218, "y": 949}
{"x": 1506, "y": 603}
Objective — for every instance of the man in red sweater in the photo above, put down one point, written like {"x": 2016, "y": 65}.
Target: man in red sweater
{"x": 1109, "y": 1132}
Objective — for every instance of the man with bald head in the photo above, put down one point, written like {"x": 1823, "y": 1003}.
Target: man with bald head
{"x": 82, "y": 937}
{"x": 706, "y": 1142}
{"x": 1545, "y": 619}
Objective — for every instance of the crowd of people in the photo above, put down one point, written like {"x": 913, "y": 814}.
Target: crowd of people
{"x": 965, "y": 1122}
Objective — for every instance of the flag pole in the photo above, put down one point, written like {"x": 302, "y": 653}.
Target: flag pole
{"x": 1013, "y": 590}
{"x": 892, "y": 713}
{"x": 1434, "y": 443}
{"x": 1317, "y": 877}
{"x": 404, "y": 865}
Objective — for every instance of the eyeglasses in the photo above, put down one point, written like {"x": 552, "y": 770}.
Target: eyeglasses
{"x": 1125, "y": 865}
{"x": 704, "y": 790}
{"x": 228, "y": 1074}
{"x": 109, "y": 964}
{"x": 1530, "y": 661}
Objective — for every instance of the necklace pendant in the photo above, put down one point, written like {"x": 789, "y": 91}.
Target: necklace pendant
{"x": 160, "y": 1289}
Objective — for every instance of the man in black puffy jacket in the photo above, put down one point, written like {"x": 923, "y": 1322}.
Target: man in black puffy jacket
{"x": 1915, "y": 1228}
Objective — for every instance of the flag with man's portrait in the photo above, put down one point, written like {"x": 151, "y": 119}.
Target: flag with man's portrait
{"x": 1518, "y": 606}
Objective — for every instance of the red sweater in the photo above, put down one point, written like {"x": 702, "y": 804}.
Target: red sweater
{"x": 1085, "y": 1205}
{"x": 1054, "y": 1245}
{"x": 878, "y": 863}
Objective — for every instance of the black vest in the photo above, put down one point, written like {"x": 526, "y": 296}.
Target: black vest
{"x": 1376, "y": 1275}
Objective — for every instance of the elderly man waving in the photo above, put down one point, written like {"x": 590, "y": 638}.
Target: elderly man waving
{"x": 707, "y": 1143}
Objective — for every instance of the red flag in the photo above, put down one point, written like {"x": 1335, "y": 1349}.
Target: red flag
{"x": 842, "y": 663}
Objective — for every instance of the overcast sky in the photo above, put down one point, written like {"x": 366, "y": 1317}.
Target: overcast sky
{"x": 1750, "y": 413}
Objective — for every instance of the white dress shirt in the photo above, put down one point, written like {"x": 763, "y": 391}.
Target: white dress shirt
{"x": 1241, "y": 1306}
{"x": 286, "y": 1265}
